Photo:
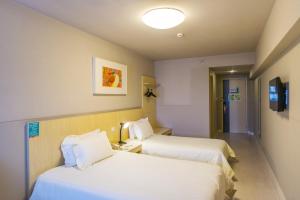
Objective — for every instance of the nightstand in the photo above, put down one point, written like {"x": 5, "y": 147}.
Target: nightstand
{"x": 130, "y": 146}
{"x": 163, "y": 131}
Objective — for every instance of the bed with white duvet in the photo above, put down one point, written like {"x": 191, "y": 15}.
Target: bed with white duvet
{"x": 129, "y": 176}
{"x": 213, "y": 151}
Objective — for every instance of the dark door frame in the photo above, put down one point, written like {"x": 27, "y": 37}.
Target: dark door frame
{"x": 226, "y": 107}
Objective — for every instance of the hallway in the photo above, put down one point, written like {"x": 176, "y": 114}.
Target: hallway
{"x": 254, "y": 175}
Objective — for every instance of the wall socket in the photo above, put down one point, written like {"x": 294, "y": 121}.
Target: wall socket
{"x": 113, "y": 129}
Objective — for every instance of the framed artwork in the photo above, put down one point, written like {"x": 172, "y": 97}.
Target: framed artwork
{"x": 109, "y": 77}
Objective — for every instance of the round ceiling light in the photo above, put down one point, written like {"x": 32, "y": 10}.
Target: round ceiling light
{"x": 163, "y": 18}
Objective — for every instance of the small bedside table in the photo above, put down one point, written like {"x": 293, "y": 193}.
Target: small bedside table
{"x": 163, "y": 131}
{"x": 130, "y": 146}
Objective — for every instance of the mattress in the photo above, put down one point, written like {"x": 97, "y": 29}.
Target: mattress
{"x": 212, "y": 151}
{"x": 130, "y": 176}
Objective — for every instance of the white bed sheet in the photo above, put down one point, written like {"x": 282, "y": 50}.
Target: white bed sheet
{"x": 212, "y": 151}
{"x": 129, "y": 176}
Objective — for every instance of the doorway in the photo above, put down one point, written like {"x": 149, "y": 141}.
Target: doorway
{"x": 258, "y": 107}
{"x": 237, "y": 106}
{"x": 228, "y": 101}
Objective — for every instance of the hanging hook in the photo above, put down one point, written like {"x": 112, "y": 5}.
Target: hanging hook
{"x": 147, "y": 93}
{"x": 152, "y": 94}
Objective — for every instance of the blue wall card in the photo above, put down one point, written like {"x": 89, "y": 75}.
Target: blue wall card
{"x": 33, "y": 129}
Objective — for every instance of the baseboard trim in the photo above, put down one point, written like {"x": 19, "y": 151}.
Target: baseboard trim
{"x": 250, "y": 133}
{"x": 238, "y": 131}
{"x": 270, "y": 170}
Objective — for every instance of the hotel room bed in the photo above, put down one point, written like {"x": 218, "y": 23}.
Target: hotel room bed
{"x": 133, "y": 176}
{"x": 212, "y": 151}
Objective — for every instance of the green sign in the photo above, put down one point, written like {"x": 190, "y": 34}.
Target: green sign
{"x": 33, "y": 129}
{"x": 234, "y": 97}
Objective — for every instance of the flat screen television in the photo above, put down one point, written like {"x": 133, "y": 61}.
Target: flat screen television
{"x": 277, "y": 95}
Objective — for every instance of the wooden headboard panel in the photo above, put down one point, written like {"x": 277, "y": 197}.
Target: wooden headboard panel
{"x": 44, "y": 150}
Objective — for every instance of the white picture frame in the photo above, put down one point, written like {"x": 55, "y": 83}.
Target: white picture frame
{"x": 109, "y": 78}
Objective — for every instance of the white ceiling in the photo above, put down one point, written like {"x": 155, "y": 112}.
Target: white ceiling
{"x": 211, "y": 27}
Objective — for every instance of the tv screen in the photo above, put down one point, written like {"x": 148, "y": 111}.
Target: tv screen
{"x": 273, "y": 94}
{"x": 276, "y": 95}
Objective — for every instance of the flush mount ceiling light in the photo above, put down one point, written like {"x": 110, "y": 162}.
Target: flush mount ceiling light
{"x": 163, "y": 18}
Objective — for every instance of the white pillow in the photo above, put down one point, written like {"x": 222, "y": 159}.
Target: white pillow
{"x": 142, "y": 129}
{"x": 68, "y": 144}
{"x": 92, "y": 149}
{"x": 131, "y": 130}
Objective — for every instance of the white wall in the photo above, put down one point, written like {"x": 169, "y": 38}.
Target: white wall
{"x": 183, "y": 102}
{"x": 284, "y": 15}
{"x": 278, "y": 52}
{"x": 280, "y": 132}
{"x": 46, "y": 70}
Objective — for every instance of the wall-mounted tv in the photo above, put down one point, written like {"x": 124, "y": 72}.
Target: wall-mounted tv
{"x": 277, "y": 95}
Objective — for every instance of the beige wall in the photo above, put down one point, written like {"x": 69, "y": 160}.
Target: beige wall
{"x": 12, "y": 160}
{"x": 46, "y": 70}
{"x": 257, "y": 107}
{"x": 280, "y": 131}
{"x": 183, "y": 102}
{"x": 278, "y": 53}
{"x": 284, "y": 15}
{"x": 251, "y": 106}
{"x": 46, "y": 67}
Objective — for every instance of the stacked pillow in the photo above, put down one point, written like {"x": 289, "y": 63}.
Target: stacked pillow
{"x": 140, "y": 129}
{"x": 84, "y": 150}
{"x": 69, "y": 142}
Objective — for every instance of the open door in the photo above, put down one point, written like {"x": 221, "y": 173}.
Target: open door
{"x": 226, "y": 107}
{"x": 238, "y": 105}
{"x": 234, "y": 106}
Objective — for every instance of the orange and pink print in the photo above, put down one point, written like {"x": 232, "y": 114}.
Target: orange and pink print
{"x": 111, "y": 77}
